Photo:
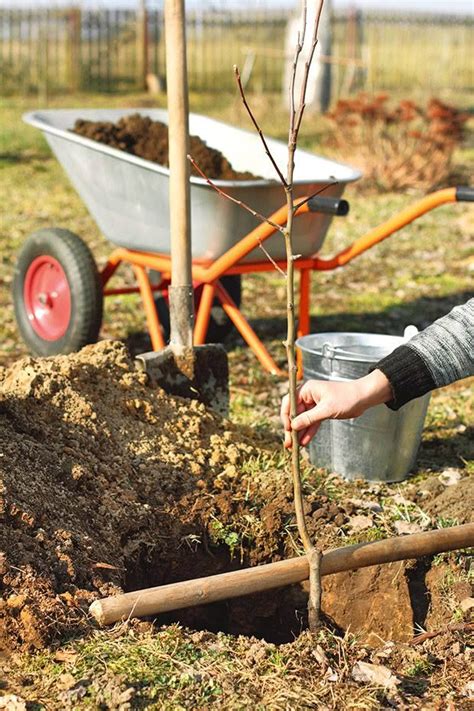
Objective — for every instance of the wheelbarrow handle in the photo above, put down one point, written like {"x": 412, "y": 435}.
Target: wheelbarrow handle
{"x": 464, "y": 193}
{"x": 329, "y": 205}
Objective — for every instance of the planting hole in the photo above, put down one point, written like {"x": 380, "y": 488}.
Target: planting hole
{"x": 277, "y": 616}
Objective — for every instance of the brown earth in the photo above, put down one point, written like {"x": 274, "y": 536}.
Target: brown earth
{"x": 148, "y": 139}
{"x": 108, "y": 484}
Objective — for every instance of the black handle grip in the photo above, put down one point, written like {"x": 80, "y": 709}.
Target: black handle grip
{"x": 464, "y": 193}
{"x": 329, "y": 205}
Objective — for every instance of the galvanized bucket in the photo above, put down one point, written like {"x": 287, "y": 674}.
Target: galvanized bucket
{"x": 380, "y": 445}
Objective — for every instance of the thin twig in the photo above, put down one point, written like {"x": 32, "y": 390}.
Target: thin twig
{"x": 270, "y": 258}
{"x": 255, "y": 123}
{"x": 242, "y": 204}
{"x": 307, "y": 67}
{"x": 298, "y": 49}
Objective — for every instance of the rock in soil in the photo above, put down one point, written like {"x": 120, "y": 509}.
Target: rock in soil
{"x": 148, "y": 139}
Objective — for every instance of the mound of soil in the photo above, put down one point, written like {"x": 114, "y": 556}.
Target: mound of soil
{"x": 109, "y": 484}
{"x": 148, "y": 139}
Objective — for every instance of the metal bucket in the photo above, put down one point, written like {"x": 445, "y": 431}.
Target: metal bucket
{"x": 380, "y": 445}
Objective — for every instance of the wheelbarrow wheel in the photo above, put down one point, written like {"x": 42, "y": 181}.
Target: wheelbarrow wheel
{"x": 219, "y": 324}
{"x": 57, "y": 293}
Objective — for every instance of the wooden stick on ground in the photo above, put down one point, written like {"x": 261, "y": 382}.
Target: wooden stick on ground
{"x": 200, "y": 591}
{"x": 457, "y": 627}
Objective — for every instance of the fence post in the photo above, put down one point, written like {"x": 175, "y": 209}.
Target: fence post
{"x": 74, "y": 48}
{"x": 43, "y": 57}
{"x": 354, "y": 45}
{"x": 142, "y": 46}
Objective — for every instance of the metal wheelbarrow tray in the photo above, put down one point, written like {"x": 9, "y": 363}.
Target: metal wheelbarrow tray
{"x": 128, "y": 196}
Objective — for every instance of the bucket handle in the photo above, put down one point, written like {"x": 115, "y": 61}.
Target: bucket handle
{"x": 328, "y": 351}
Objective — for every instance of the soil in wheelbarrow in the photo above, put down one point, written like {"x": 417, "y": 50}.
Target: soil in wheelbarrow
{"x": 148, "y": 139}
{"x": 109, "y": 484}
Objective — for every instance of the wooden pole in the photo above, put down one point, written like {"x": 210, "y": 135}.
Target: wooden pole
{"x": 200, "y": 591}
{"x": 181, "y": 291}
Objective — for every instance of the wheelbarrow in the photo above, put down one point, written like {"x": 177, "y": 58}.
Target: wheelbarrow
{"x": 59, "y": 290}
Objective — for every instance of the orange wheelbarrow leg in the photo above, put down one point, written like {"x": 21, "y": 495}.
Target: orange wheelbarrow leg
{"x": 304, "y": 320}
{"x": 204, "y": 314}
{"x": 154, "y": 327}
{"x": 303, "y": 316}
{"x": 247, "y": 332}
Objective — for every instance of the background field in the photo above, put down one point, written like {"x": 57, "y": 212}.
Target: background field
{"x": 66, "y": 49}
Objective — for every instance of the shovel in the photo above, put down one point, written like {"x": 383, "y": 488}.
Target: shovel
{"x": 199, "y": 372}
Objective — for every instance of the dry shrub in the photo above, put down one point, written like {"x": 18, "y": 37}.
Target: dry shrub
{"x": 398, "y": 147}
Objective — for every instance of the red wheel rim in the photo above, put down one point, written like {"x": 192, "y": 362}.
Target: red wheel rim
{"x": 47, "y": 298}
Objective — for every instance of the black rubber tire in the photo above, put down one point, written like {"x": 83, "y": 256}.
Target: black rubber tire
{"x": 219, "y": 324}
{"x": 85, "y": 286}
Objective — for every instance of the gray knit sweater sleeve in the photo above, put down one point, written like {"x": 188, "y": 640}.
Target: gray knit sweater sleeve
{"x": 439, "y": 355}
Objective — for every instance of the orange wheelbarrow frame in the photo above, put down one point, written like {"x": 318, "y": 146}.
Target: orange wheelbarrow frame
{"x": 209, "y": 274}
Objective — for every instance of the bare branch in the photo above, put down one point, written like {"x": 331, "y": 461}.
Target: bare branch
{"x": 298, "y": 49}
{"x": 270, "y": 259}
{"x": 244, "y": 205}
{"x": 257, "y": 127}
{"x": 307, "y": 67}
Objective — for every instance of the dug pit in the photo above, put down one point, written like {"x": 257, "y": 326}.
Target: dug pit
{"x": 109, "y": 484}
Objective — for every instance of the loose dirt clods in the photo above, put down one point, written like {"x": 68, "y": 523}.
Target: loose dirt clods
{"x": 148, "y": 139}
{"x": 108, "y": 484}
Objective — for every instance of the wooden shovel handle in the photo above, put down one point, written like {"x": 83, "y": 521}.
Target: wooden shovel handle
{"x": 200, "y": 591}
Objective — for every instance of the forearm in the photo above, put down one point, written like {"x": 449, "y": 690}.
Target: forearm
{"x": 373, "y": 389}
{"x": 439, "y": 355}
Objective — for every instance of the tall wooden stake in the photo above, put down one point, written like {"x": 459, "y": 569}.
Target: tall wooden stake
{"x": 181, "y": 290}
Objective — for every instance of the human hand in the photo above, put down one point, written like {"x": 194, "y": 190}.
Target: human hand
{"x": 318, "y": 400}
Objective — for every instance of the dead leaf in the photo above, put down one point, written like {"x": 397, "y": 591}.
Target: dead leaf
{"x": 367, "y": 505}
{"x": 467, "y": 604}
{"x": 450, "y": 477}
{"x": 320, "y": 655}
{"x": 65, "y": 655}
{"x": 401, "y": 500}
{"x": 106, "y": 566}
{"x": 331, "y": 675}
{"x": 468, "y": 689}
{"x": 360, "y": 522}
{"x": 12, "y": 702}
{"x": 385, "y": 652}
{"x": 375, "y": 674}
{"x": 406, "y": 527}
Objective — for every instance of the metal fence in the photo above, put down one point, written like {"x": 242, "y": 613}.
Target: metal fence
{"x": 403, "y": 52}
{"x": 69, "y": 49}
